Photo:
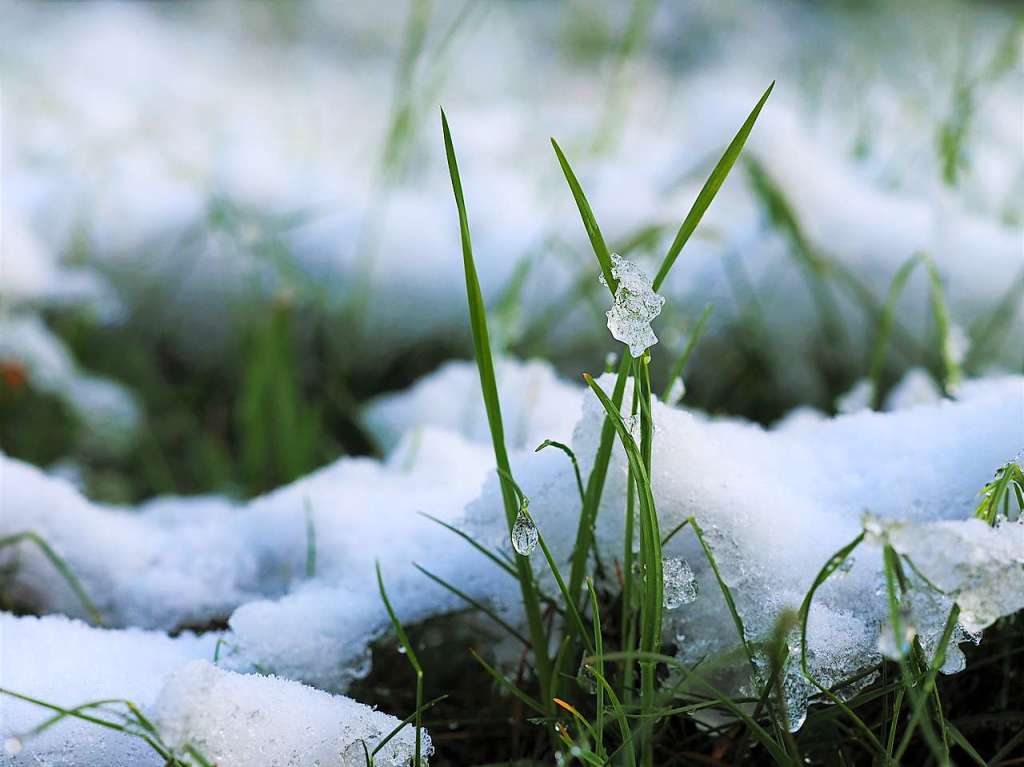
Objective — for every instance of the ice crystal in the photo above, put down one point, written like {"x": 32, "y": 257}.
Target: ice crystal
{"x": 524, "y": 534}
{"x": 636, "y": 305}
{"x": 680, "y": 583}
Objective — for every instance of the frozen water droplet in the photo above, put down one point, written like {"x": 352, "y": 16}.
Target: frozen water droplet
{"x": 633, "y": 425}
{"x": 676, "y": 391}
{"x": 680, "y": 583}
{"x": 895, "y": 644}
{"x": 12, "y": 746}
{"x": 844, "y": 567}
{"x": 524, "y": 534}
{"x": 636, "y": 305}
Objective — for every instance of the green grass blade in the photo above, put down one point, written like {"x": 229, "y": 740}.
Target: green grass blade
{"x": 410, "y": 654}
{"x": 489, "y": 389}
{"x": 691, "y": 343}
{"x": 406, "y": 722}
{"x": 504, "y": 564}
{"x": 885, "y": 322}
{"x": 505, "y": 682}
{"x": 762, "y": 735}
{"x": 710, "y": 189}
{"x": 572, "y": 457}
{"x": 60, "y": 566}
{"x": 474, "y": 603}
{"x": 595, "y": 487}
{"x": 951, "y": 373}
{"x": 589, "y": 221}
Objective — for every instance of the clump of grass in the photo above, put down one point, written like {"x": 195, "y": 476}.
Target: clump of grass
{"x": 597, "y": 688}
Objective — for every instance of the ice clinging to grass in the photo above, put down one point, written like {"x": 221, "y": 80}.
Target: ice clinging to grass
{"x": 636, "y": 306}
{"x": 524, "y": 533}
{"x": 680, "y": 583}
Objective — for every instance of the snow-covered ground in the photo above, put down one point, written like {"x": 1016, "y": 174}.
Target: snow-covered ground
{"x": 775, "y": 505}
{"x": 185, "y": 169}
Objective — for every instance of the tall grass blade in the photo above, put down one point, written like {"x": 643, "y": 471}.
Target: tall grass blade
{"x": 489, "y": 388}
{"x": 589, "y": 221}
{"x": 710, "y": 189}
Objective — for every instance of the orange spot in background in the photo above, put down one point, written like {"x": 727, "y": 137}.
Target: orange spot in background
{"x": 13, "y": 374}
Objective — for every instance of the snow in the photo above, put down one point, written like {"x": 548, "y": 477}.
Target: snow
{"x": 262, "y": 164}
{"x": 774, "y": 504}
{"x": 237, "y": 720}
{"x": 233, "y": 719}
{"x": 67, "y": 663}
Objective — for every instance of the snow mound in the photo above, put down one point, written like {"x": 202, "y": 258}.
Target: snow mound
{"x": 238, "y": 720}
{"x": 67, "y": 663}
{"x": 232, "y": 719}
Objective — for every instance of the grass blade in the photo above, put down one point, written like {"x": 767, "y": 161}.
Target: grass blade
{"x": 60, "y": 566}
{"x": 410, "y": 654}
{"x": 691, "y": 343}
{"x": 489, "y": 388}
{"x": 710, "y": 189}
{"x": 476, "y": 604}
{"x": 589, "y": 222}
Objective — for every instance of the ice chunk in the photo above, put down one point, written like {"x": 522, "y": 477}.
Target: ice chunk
{"x": 980, "y": 567}
{"x": 680, "y": 583}
{"x": 636, "y": 306}
{"x": 238, "y": 720}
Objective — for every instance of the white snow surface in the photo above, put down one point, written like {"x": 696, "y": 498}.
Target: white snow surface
{"x": 234, "y": 720}
{"x": 775, "y": 505}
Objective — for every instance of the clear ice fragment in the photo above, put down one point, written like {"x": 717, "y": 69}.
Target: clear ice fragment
{"x": 680, "y": 583}
{"x": 636, "y": 305}
{"x": 524, "y": 534}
